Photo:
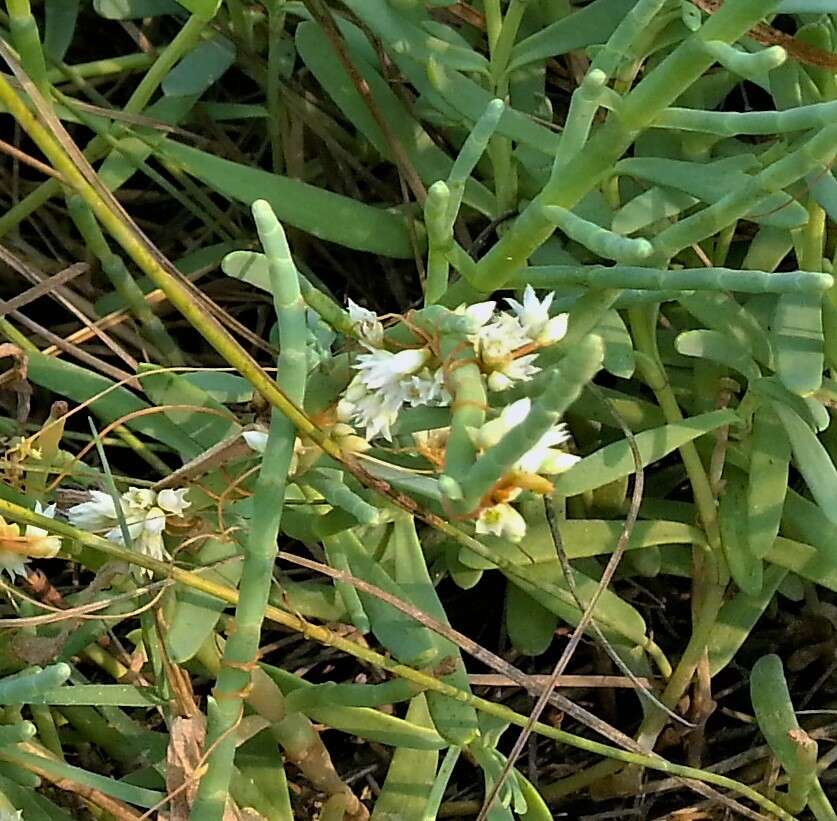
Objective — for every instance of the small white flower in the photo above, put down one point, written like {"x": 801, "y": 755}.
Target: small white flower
{"x": 521, "y": 369}
{"x": 11, "y": 815}
{"x": 94, "y": 516}
{"x": 376, "y": 411}
{"x": 492, "y": 432}
{"x": 18, "y": 546}
{"x": 139, "y": 497}
{"x": 383, "y": 383}
{"x": 380, "y": 368}
{"x": 366, "y": 324}
{"x": 495, "y": 345}
{"x": 150, "y": 537}
{"x": 41, "y": 543}
{"x": 533, "y": 315}
{"x": 173, "y": 501}
{"x": 557, "y": 461}
{"x": 502, "y": 520}
{"x": 554, "y": 330}
{"x": 477, "y": 315}
{"x": 495, "y": 342}
{"x": 545, "y": 458}
{"x": 428, "y": 389}
{"x": 256, "y": 440}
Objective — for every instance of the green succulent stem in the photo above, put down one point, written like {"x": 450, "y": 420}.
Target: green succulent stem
{"x": 260, "y": 547}
{"x": 571, "y": 181}
{"x": 121, "y": 279}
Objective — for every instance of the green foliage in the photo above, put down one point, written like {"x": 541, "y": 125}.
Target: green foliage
{"x": 668, "y": 393}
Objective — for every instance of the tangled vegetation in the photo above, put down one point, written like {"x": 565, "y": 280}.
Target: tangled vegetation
{"x": 418, "y": 410}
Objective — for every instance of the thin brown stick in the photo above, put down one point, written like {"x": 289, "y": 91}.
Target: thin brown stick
{"x": 42, "y": 288}
{"x": 570, "y": 681}
{"x": 22, "y": 156}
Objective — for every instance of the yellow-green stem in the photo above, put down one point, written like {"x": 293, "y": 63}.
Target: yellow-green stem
{"x": 424, "y": 680}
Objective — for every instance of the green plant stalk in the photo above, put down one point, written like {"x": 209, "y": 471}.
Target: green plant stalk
{"x": 622, "y": 42}
{"x": 101, "y": 68}
{"x": 122, "y": 281}
{"x": 47, "y": 731}
{"x": 197, "y": 581}
{"x": 575, "y": 370}
{"x": 715, "y": 575}
{"x": 684, "y": 279}
{"x": 657, "y": 90}
{"x": 734, "y": 123}
{"x": 745, "y": 64}
{"x": 183, "y": 42}
{"x": 439, "y": 238}
{"x": 493, "y": 22}
{"x": 240, "y": 24}
{"x": 440, "y": 784}
{"x": 795, "y": 750}
{"x": 820, "y": 805}
{"x": 468, "y": 409}
{"x": 583, "y": 107}
{"x": 642, "y": 322}
{"x": 502, "y": 48}
{"x": 505, "y": 173}
{"x": 814, "y": 155}
{"x": 27, "y": 41}
{"x": 810, "y": 240}
{"x": 275, "y": 28}
{"x": 469, "y": 155}
{"x": 601, "y": 241}
{"x": 242, "y": 649}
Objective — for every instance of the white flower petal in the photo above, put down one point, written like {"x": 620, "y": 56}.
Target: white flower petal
{"x": 138, "y": 497}
{"x": 493, "y": 431}
{"x": 173, "y": 501}
{"x": 521, "y": 369}
{"x": 357, "y": 313}
{"x": 478, "y": 314}
{"x": 155, "y": 521}
{"x": 557, "y": 461}
{"x": 13, "y": 563}
{"x": 96, "y": 515}
{"x": 383, "y": 368}
{"x": 366, "y": 324}
{"x": 554, "y": 330}
{"x": 533, "y": 316}
{"x": 502, "y": 520}
{"x": 515, "y": 413}
{"x": 498, "y": 381}
{"x": 256, "y": 440}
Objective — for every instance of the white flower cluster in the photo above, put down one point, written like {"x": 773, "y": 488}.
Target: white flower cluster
{"x": 145, "y": 512}
{"x": 546, "y": 458}
{"x": 387, "y": 381}
{"x": 506, "y": 346}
